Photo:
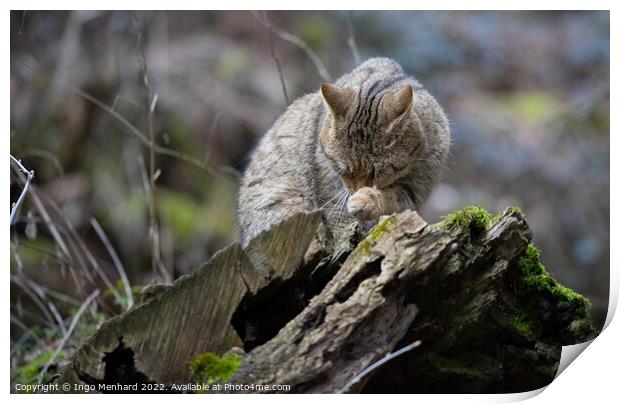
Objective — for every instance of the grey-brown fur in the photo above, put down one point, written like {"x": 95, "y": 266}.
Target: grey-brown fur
{"x": 366, "y": 146}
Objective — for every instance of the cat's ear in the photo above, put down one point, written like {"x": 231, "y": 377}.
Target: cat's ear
{"x": 337, "y": 99}
{"x": 396, "y": 104}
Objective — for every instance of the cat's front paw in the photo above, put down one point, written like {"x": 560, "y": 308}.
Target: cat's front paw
{"x": 364, "y": 204}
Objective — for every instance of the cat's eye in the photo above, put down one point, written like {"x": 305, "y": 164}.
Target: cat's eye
{"x": 384, "y": 172}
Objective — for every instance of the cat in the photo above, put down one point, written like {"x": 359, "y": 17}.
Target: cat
{"x": 371, "y": 144}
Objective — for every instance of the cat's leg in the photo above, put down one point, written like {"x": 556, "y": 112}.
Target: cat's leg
{"x": 261, "y": 209}
{"x": 369, "y": 203}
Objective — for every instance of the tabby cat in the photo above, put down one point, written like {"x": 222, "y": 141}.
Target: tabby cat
{"x": 371, "y": 144}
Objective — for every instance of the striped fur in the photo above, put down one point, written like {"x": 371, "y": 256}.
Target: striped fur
{"x": 373, "y": 143}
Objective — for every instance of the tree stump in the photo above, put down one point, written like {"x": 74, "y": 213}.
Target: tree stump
{"x": 313, "y": 313}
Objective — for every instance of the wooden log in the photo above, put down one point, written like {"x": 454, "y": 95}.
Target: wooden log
{"x": 312, "y": 315}
{"x": 463, "y": 287}
{"x": 170, "y": 325}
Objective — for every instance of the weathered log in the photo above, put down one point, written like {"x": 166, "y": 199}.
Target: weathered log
{"x": 313, "y": 316}
{"x": 170, "y": 325}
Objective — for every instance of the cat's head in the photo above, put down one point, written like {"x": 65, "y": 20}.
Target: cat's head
{"x": 370, "y": 141}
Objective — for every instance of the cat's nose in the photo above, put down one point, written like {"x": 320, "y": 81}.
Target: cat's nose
{"x": 353, "y": 184}
{"x": 360, "y": 183}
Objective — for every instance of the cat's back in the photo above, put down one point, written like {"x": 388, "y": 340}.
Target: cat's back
{"x": 279, "y": 177}
{"x": 286, "y": 139}
{"x": 372, "y": 72}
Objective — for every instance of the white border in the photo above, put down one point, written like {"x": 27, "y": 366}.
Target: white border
{"x": 593, "y": 374}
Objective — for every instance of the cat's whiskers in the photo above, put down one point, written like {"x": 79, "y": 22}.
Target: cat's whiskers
{"x": 344, "y": 197}
{"x": 337, "y": 195}
{"x": 342, "y": 207}
{"x": 333, "y": 208}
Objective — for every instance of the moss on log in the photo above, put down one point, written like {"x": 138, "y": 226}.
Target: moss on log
{"x": 313, "y": 313}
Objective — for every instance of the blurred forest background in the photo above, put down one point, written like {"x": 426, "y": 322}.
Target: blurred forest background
{"x": 527, "y": 94}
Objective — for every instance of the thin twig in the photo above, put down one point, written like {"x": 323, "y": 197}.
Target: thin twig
{"x": 207, "y": 156}
{"x": 351, "y": 39}
{"x": 43, "y": 296}
{"x": 149, "y": 102}
{"x": 117, "y": 262}
{"x": 80, "y": 247}
{"x": 49, "y": 253}
{"x": 274, "y": 56}
{"x": 47, "y": 219}
{"x": 294, "y": 39}
{"x": 35, "y": 298}
{"x": 128, "y": 125}
{"x": 378, "y": 363}
{"x": 56, "y": 295}
{"x": 61, "y": 172}
{"x": 48, "y": 156}
{"x": 28, "y": 333}
{"x": 58, "y": 317}
{"x": 20, "y": 29}
{"x": 15, "y": 244}
{"x": 64, "y": 340}
{"x": 29, "y": 176}
{"x": 143, "y": 175}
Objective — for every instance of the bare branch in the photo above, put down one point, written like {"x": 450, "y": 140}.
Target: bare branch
{"x": 29, "y": 176}
{"x": 117, "y": 262}
{"x": 351, "y": 39}
{"x": 287, "y": 36}
{"x": 274, "y": 56}
{"x": 216, "y": 120}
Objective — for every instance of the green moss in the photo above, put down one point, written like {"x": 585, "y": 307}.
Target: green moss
{"x": 210, "y": 368}
{"x": 534, "y": 274}
{"x": 472, "y": 218}
{"x": 523, "y": 324}
{"x": 376, "y": 233}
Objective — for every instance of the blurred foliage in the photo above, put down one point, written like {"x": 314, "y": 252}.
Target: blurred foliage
{"x": 531, "y": 105}
{"x": 28, "y": 374}
{"x": 315, "y": 31}
{"x": 119, "y": 294}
